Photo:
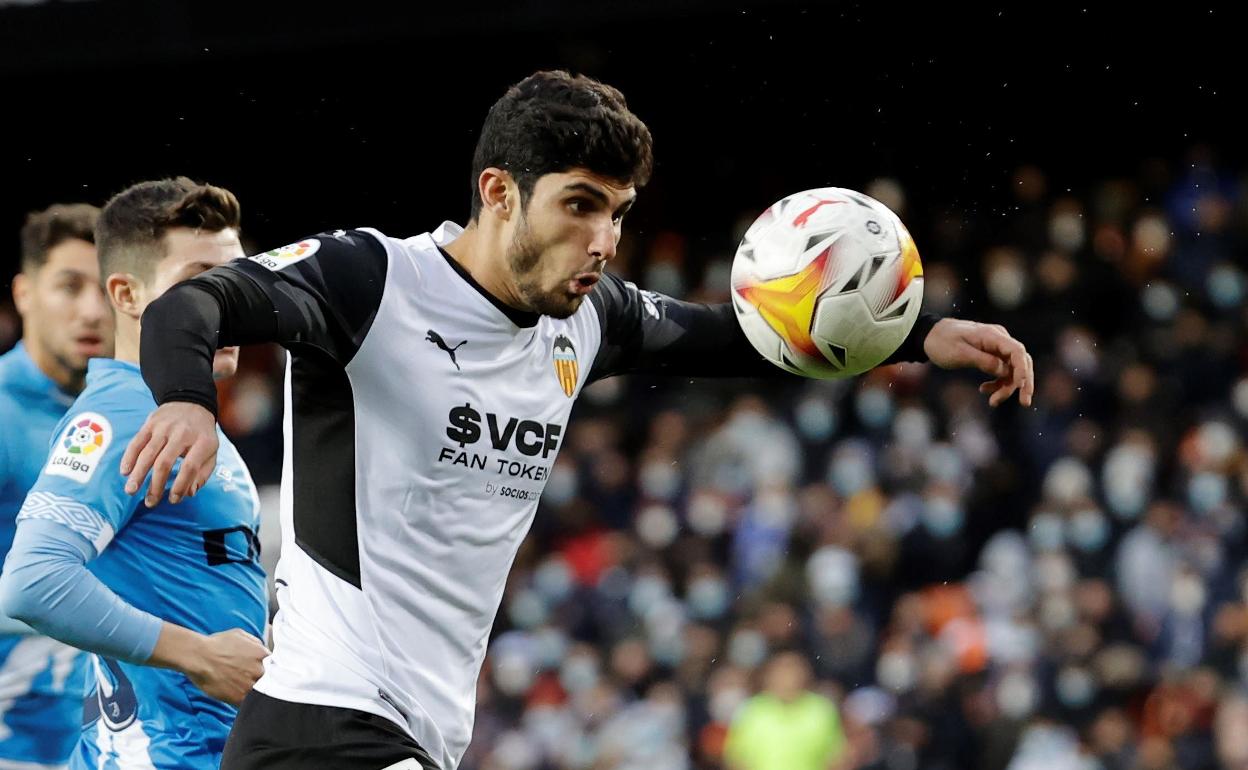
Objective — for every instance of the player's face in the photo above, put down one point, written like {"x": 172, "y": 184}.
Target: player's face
{"x": 187, "y": 254}
{"x": 564, "y": 238}
{"x": 66, "y": 315}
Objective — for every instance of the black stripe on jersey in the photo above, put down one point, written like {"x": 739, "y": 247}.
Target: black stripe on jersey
{"x": 322, "y": 447}
{"x": 320, "y": 308}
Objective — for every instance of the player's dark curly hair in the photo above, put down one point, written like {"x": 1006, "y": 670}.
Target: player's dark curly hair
{"x": 553, "y": 121}
{"x": 131, "y": 229}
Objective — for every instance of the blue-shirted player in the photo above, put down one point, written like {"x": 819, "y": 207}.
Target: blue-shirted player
{"x": 174, "y": 600}
{"x": 65, "y": 321}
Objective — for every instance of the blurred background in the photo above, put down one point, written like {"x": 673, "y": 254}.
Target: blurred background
{"x": 876, "y": 573}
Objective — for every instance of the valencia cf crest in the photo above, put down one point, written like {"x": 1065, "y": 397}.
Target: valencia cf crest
{"x": 564, "y": 356}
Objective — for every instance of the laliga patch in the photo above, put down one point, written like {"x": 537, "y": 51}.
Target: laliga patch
{"x": 80, "y": 449}
{"x": 287, "y": 255}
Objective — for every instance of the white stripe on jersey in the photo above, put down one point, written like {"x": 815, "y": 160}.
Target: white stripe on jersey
{"x": 123, "y": 750}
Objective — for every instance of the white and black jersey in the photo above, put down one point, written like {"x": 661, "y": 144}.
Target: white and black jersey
{"x": 422, "y": 420}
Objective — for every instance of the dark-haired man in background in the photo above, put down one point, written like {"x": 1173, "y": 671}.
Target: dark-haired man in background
{"x": 65, "y": 321}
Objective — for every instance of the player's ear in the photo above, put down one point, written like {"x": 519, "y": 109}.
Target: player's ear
{"x": 124, "y": 292}
{"x": 498, "y": 192}
{"x": 21, "y": 293}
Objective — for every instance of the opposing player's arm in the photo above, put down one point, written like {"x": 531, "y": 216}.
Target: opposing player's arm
{"x": 318, "y": 295}
{"x": 66, "y": 521}
{"x": 644, "y": 331}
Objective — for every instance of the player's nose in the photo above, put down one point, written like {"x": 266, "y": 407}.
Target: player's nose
{"x": 602, "y": 245}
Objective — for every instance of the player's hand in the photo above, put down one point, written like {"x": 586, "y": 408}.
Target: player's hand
{"x": 230, "y": 663}
{"x": 954, "y": 344}
{"x": 176, "y": 429}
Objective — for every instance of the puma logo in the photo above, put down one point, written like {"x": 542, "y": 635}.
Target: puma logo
{"x": 436, "y": 339}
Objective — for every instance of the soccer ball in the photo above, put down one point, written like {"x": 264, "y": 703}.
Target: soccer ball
{"x": 827, "y": 283}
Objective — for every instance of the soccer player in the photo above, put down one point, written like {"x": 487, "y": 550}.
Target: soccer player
{"x": 65, "y": 320}
{"x": 169, "y": 587}
{"x": 428, "y": 391}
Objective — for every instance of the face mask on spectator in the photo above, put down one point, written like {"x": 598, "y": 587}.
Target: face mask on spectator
{"x": 942, "y": 517}
{"x": 647, "y": 591}
{"x": 707, "y": 598}
{"x": 1087, "y": 530}
{"x": 816, "y": 419}
{"x": 1225, "y": 286}
{"x": 851, "y": 471}
{"x": 659, "y": 480}
{"x": 578, "y": 673}
{"x": 747, "y": 648}
{"x": 1045, "y": 531}
{"x": 561, "y": 486}
{"x": 1075, "y": 687}
{"x": 1127, "y": 479}
{"x": 832, "y": 573}
{"x": 1206, "y": 491}
{"x": 553, "y": 579}
{"x": 874, "y": 407}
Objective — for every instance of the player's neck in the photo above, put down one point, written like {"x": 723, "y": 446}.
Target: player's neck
{"x": 481, "y": 254}
{"x": 126, "y": 342}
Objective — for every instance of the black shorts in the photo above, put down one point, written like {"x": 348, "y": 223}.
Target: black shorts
{"x": 272, "y": 734}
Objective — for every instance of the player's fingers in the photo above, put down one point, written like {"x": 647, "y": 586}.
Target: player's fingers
{"x": 983, "y": 360}
{"x": 143, "y": 463}
{"x": 1029, "y": 384}
{"x": 991, "y": 386}
{"x": 161, "y": 469}
{"x": 191, "y": 475}
{"x": 997, "y": 340}
{"x": 135, "y": 446}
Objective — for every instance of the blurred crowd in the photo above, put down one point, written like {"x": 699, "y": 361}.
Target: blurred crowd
{"x": 883, "y": 572}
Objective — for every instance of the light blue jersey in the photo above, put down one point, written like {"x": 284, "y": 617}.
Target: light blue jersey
{"x": 195, "y": 564}
{"x": 40, "y": 679}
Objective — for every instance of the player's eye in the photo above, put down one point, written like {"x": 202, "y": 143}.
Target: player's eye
{"x": 581, "y": 206}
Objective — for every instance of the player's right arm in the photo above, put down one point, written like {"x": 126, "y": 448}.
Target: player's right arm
{"x": 320, "y": 301}
{"x": 68, "y": 518}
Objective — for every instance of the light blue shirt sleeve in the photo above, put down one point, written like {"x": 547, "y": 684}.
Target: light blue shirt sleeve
{"x": 81, "y": 492}
{"x": 46, "y": 583}
{"x": 81, "y": 486}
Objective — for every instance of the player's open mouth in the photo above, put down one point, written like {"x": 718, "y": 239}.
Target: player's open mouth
{"x": 584, "y": 283}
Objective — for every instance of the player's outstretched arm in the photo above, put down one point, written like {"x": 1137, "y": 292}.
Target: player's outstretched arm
{"x": 47, "y": 585}
{"x": 958, "y": 344}
{"x": 647, "y": 332}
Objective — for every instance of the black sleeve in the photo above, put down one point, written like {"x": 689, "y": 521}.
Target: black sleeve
{"x": 322, "y": 302}
{"x": 644, "y": 331}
